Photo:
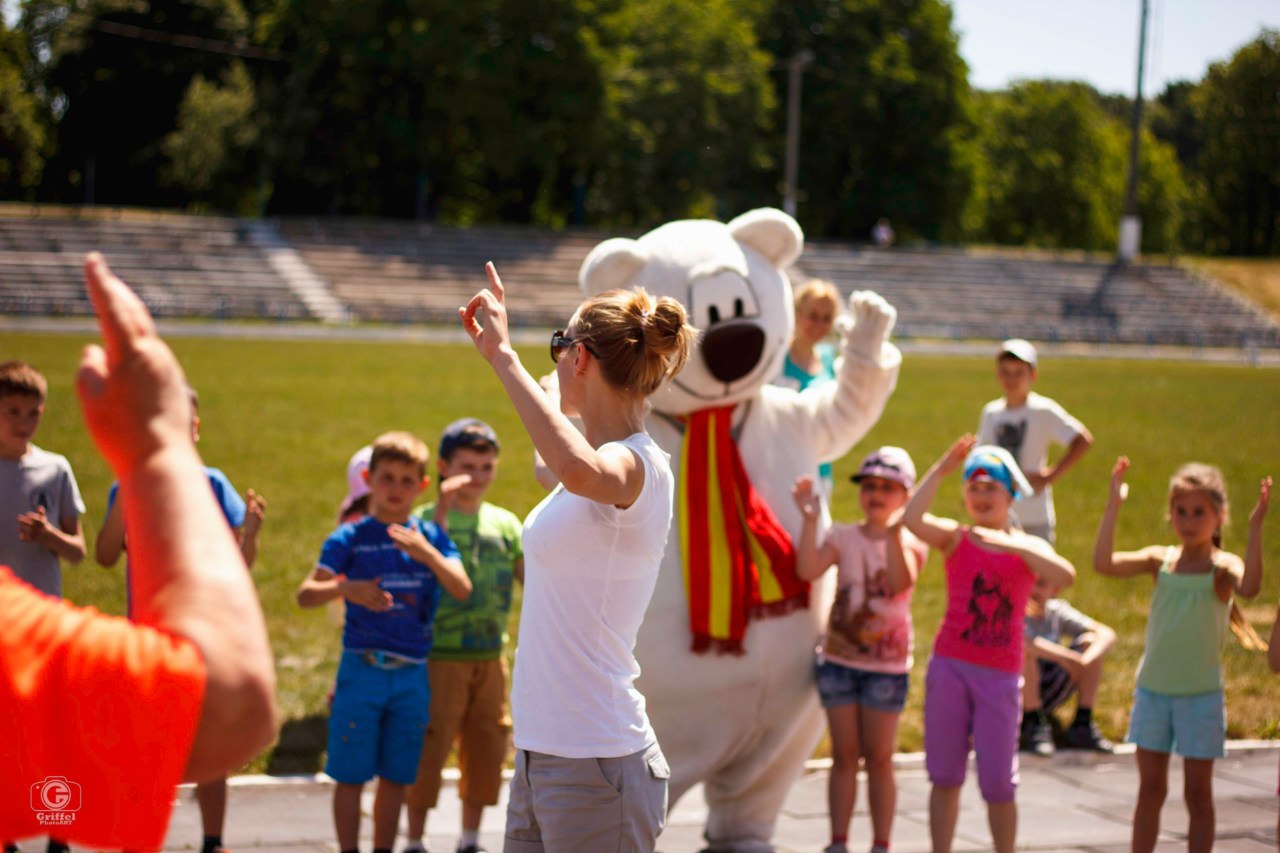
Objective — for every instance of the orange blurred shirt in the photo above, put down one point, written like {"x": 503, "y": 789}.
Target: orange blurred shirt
{"x": 97, "y": 719}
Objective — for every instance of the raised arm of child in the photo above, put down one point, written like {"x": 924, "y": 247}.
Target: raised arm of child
{"x": 255, "y": 509}
{"x": 110, "y": 542}
{"x": 1034, "y": 551}
{"x": 1251, "y": 580}
{"x": 1273, "y": 648}
{"x": 940, "y": 533}
{"x": 1120, "y": 564}
{"x": 448, "y": 570}
{"x": 447, "y": 489}
{"x": 901, "y": 566}
{"x": 811, "y": 560}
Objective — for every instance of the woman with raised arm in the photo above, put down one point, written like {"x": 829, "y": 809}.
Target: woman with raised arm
{"x": 590, "y": 775}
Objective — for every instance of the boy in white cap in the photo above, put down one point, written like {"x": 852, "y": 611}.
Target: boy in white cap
{"x": 1026, "y": 424}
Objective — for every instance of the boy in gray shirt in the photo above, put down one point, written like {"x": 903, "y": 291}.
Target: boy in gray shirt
{"x": 40, "y": 503}
{"x": 1052, "y": 671}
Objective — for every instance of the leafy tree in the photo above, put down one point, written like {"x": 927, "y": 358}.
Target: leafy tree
{"x": 215, "y": 135}
{"x": 1164, "y": 196}
{"x": 22, "y": 129}
{"x": 1056, "y": 166}
{"x": 115, "y": 72}
{"x": 1172, "y": 119}
{"x": 1238, "y": 107}
{"x": 686, "y": 110}
{"x": 468, "y": 111}
{"x": 885, "y": 128}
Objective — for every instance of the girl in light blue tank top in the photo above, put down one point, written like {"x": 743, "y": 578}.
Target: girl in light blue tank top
{"x": 1178, "y": 702}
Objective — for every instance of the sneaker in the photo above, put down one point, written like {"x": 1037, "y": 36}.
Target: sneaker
{"x": 414, "y": 847}
{"x": 836, "y": 848}
{"x": 1087, "y": 736}
{"x": 1037, "y": 737}
{"x": 472, "y": 848}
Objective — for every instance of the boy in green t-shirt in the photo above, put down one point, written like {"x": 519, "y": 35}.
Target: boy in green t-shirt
{"x": 466, "y": 670}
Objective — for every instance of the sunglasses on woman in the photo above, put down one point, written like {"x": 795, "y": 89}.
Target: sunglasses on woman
{"x": 561, "y": 342}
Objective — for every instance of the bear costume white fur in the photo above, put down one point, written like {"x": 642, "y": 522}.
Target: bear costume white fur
{"x": 744, "y": 724}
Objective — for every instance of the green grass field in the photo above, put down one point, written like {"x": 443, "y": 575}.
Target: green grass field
{"x": 283, "y": 417}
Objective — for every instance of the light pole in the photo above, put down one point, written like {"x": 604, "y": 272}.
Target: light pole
{"x": 795, "y": 68}
{"x": 1130, "y": 222}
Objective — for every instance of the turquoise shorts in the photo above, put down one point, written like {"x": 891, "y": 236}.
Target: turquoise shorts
{"x": 1192, "y": 726}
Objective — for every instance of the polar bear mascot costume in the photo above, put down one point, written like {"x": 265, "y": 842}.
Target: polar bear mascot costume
{"x": 727, "y": 645}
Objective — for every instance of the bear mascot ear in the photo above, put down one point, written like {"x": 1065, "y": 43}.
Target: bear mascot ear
{"x": 611, "y": 266}
{"x": 772, "y": 233}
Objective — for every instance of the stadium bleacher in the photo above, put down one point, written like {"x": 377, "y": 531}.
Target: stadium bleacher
{"x": 962, "y": 294}
{"x": 392, "y": 271}
{"x": 181, "y": 266}
{"x": 407, "y": 272}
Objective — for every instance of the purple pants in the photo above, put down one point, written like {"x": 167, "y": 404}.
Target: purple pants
{"x": 965, "y": 703}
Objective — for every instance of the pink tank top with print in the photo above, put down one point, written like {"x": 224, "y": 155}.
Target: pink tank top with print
{"x": 987, "y": 594}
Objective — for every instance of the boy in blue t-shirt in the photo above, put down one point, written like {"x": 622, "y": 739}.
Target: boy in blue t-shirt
{"x": 244, "y": 517}
{"x": 389, "y": 568}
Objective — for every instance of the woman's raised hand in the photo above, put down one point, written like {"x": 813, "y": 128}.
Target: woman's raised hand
{"x": 485, "y": 317}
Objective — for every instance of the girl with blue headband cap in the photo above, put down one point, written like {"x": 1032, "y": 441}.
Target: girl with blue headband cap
{"x": 972, "y": 685}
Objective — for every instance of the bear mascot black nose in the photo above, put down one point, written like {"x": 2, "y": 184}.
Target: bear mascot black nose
{"x": 732, "y": 349}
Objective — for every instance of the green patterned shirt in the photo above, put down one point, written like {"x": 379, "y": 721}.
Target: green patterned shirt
{"x": 489, "y": 543}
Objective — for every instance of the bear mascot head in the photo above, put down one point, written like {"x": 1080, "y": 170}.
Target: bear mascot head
{"x": 726, "y": 649}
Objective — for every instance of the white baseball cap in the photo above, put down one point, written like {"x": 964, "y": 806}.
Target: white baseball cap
{"x": 1019, "y": 348}
{"x": 356, "y": 486}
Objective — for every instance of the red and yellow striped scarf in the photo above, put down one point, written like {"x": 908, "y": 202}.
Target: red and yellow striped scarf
{"x": 739, "y": 562}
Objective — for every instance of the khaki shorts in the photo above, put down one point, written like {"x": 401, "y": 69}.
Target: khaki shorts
{"x": 587, "y": 805}
{"x": 469, "y": 706}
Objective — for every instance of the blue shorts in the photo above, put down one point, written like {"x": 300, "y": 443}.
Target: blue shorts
{"x": 1192, "y": 726}
{"x": 843, "y": 685}
{"x": 377, "y": 722}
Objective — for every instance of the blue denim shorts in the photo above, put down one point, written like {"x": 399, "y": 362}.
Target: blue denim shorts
{"x": 378, "y": 721}
{"x": 843, "y": 685}
{"x": 1192, "y": 726}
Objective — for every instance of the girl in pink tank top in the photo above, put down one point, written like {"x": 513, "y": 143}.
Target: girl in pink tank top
{"x": 972, "y": 690}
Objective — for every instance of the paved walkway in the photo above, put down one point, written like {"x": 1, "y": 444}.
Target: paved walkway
{"x": 1073, "y": 802}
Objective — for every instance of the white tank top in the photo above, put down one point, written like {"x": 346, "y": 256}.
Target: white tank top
{"x": 590, "y": 569}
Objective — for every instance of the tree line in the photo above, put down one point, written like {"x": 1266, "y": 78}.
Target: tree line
{"x": 616, "y": 113}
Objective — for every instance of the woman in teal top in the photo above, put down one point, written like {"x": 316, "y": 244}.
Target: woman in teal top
{"x": 1178, "y": 703}
{"x": 811, "y": 358}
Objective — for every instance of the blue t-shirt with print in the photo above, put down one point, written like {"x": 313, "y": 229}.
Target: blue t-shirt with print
{"x": 229, "y": 501}
{"x": 364, "y": 550}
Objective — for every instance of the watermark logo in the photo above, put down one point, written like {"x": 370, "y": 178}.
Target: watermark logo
{"x": 55, "y": 800}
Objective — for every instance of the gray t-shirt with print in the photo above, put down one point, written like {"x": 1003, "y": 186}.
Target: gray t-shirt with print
{"x": 1060, "y": 620}
{"x": 38, "y": 479}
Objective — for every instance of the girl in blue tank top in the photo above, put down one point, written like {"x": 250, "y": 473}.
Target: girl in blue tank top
{"x": 1178, "y": 701}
